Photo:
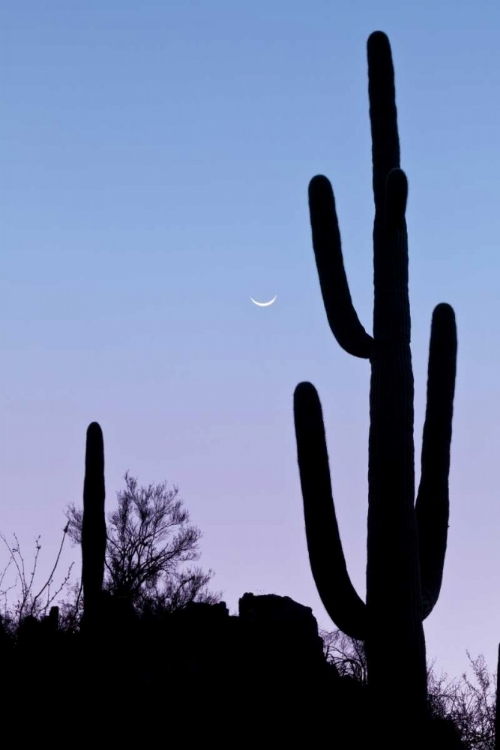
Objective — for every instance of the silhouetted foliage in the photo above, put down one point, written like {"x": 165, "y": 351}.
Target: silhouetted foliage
{"x": 149, "y": 540}
{"x": 29, "y": 604}
{"x": 148, "y": 543}
{"x": 468, "y": 704}
{"x": 347, "y": 654}
{"x": 497, "y": 705}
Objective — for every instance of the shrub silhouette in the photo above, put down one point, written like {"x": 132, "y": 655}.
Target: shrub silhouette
{"x": 149, "y": 539}
{"x": 464, "y": 707}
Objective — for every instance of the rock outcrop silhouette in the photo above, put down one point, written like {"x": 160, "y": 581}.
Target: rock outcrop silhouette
{"x": 260, "y": 676}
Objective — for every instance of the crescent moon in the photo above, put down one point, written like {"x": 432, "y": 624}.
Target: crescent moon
{"x": 264, "y": 304}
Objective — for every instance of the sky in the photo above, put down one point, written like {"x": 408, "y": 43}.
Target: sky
{"x": 155, "y": 159}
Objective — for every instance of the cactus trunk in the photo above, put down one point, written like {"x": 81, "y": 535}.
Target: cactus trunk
{"x": 94, "y": 525}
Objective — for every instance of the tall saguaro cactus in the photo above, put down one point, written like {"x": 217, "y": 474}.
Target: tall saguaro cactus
{"x": 406, "y": 541}
{"x": 94, "y": 524}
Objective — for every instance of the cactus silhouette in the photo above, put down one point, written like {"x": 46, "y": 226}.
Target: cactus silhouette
{"x": 93, "y": 525}
{"x": 406, "y": 541}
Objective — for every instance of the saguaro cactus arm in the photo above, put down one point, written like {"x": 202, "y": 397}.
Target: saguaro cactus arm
{"x": 433, "y": 503}
{"x": 383, "y": 113}
{"x": 342, "y": 316}
{"x": 328, "y": 565}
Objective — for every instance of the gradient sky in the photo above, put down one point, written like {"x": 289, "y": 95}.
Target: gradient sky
{"x": 155, "y": 158}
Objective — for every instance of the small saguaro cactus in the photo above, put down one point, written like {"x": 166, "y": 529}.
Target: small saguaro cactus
{"x": 406, "y": 541}
{"x": 93, "y": 525}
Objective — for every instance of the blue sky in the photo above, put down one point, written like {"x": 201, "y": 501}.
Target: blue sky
{"x": 155, "y": 159}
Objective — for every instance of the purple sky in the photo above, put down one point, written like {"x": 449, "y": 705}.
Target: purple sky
{"x": 155, "y": 160}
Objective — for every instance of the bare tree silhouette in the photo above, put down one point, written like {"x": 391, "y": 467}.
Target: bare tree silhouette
{"x": 28, "y": 603}
{"x": 149, "y": 539}
{"x": 346, "y": 654}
